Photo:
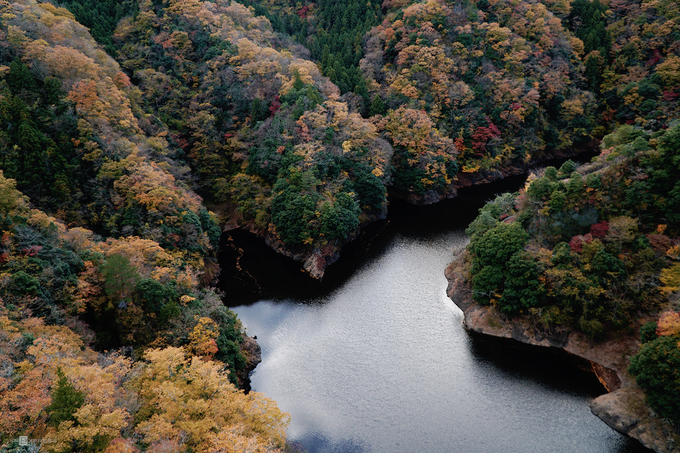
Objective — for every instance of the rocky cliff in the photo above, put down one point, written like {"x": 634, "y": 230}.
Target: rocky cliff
{"x": 253, "y": 353}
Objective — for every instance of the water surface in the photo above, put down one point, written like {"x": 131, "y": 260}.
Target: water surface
{"x": 383, "y": 364}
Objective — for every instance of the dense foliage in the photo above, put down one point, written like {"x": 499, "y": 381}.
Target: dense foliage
{"x": 73, "y": 140}
{"x": 332, "y": 31}
{"x": 594, "y": 248}
{"x": 586, "y": 248}
{"x": 262, "y": 128}
{"x": 131, "y": 292}
{"x": 55, "y": 388}
{"x": 73, "y": 143}
{"x": 500, "y": 79}
{"x": 295, "y": 126}
{"x": 101, "y": 17}
{"x": 655, "y": 368}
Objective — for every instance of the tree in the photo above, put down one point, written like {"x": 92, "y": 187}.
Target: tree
{"x": 669, "y": 324}
{"x": 377, "y": 107}
{"x": 153, "y": 295}
{"x": 621, "y": 230}
{"x": 491, "y": 252}
{"x": 120, "y": 277}
{"x": 294, "y": 208}
{"x": 20, "y": 77}
{"x": 66, "y": 400}
{"x": 648, "y": 332}
{"x": 523, "y": 288}
{"x": 339, "y": 217}
{"x": 192, "y": 402}
{"x": 656, "y": 368}
{"x": 202, "y": 339}
{"x": 497, "y": 245}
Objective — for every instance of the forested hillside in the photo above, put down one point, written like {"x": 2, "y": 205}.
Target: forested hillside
{"x": 332, "y": 31}
{"x": 104, "y": 245}
{"x": 432, "y": 98}
{"x": 133, "y": 131}
{"x": 595, "y": 248}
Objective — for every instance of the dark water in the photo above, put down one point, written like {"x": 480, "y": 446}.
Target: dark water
{"x": 375, "y": 358}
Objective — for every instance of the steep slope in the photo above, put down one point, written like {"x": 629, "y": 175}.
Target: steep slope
{"x": 262, "y": 128}
{"x": 63, "y": 292}
{"x": 502, "y": 80}
{"x": 74, "y": 144}
{"x": 71, "y": 140}
{"x": 268, "y": 134}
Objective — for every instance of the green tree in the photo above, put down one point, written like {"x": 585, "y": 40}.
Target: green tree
{"x": 497, "y": 245}
{"x": 523, "y": 289}
{"x": 339, "y": 217}
{"x": 648, "y": 332}
{"x": 369, "y": 188}
{"x": 294, "y": 207}
{"x": 120, "y": 277}
{"x": 656, "y": 369}
{"x": 377, "y": 107}
{"x": 66, "y": 400}
{"x": 23, "y": 283}
{"x": 152, "y": 294}
{"x": 20, "y": 77}
{"x": 491, "y": 252}
{"x": 490, "y": 213}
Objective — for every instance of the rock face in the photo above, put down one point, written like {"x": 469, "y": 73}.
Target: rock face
{"x": 623, "y": 409}
{"x": 315, "y": 259}
{"x": 253, "y": 353}
{"x": 612, "y": 409}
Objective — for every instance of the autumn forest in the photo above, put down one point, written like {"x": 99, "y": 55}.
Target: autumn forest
{"x": 132, "y": 132}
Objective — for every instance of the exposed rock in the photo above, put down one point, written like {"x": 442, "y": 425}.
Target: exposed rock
{"x": 251, "y": 349}
{"x": 253, "y": 353}
{"x": 612, "y": 409}
{"x": 608, "y": 377}
{"x": 317, "y": 262}
{"x": 623, "y": 409}
{"x": 315, "y": 259}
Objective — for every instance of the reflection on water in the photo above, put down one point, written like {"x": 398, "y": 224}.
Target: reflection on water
{"x": 382, "y": 364}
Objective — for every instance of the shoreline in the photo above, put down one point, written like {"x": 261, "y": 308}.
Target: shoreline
{"x": 315, "y": 259}
{"x": 623, "y": 408}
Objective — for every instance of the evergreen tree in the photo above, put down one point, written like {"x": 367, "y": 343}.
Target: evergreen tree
{"x": 656, "y": 369}
{"x": 120, "y": 277}
{"x": 377, "y": 107}
{"x": 66, "y": 400}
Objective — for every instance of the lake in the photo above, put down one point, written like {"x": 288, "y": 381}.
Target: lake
{"x": 375, "y": 357}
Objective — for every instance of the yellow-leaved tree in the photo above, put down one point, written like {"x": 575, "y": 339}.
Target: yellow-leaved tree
{"x": 80, "y": 400}
{"x": 203, "y": 339}
{"x": 669, "y": 324}
{"x": 190, "y": 403}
